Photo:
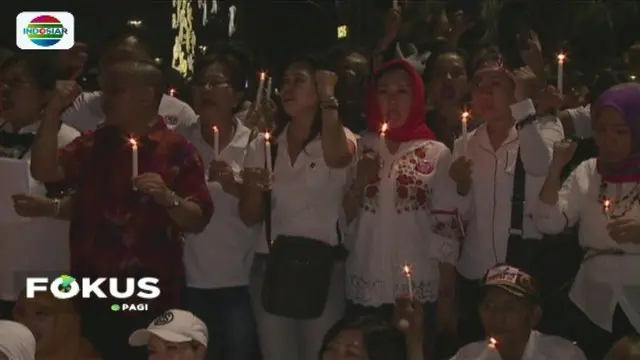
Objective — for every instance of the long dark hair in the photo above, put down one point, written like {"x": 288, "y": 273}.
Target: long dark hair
{"x": 382, "y": 341}
{"x": 313, "y": 64}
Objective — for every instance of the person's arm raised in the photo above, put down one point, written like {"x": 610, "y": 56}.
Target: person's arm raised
{"x": 45, "y": 166}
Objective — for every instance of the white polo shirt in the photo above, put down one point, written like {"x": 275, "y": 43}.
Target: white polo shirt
{"x": 37, "y": 246}
{"x": 307, "y": 194}
{"x": 222, "y": 254}
{"x": 86, "y": 113}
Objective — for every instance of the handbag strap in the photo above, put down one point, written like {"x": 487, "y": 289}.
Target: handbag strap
{"x": 269, "y": 209}
{"x": 517, "y": 200}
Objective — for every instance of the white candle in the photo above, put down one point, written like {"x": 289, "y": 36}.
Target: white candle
{"x": 216, "y": 143}
{"x": 463, "y": 140}
{"x": 383, "y": 134}
{"x": 134, "y": 158}
{"x": 606, "y": 207}
{"x": 395, "y": 4}
{"x": 269, "y": 87}
{"x": 407, "y": 274}
{"x": 260, "y": 88}
{"x": 493, "y": 343}
{"x": 561, "y": 59}
{"x": 267, "y": 150}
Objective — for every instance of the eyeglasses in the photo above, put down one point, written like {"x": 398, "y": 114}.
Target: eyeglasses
{"x": 214, "y": 84}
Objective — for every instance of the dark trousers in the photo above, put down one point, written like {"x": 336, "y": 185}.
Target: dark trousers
{"x": 592, "y": 339}
{"x": 6, "y": 309}
{"x": 386, "y": 312}
{"x": 228, "y": 314}
{"x": 469, "y": 325}
{"x": 109, "y": 332}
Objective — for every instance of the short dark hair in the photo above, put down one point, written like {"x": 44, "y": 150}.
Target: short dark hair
{"x": 237, "y": 71}
{"x": 440, "y": 47}
{"x": 149, "y": 74}
{"x": 115, "y": 38}
{"x": 43, "y": 66}
{"x": 381, "y": 339}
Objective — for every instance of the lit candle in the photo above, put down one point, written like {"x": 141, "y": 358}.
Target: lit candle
{"x": 216, "y": 143}
{"x": 260, "y": 88}
{"x": 267, "y": 150}
{"x": 493, "y": 344}
{"x": 407, "y": 274}
{"x": 463, "y": 140}
{"x": 383, "y": 134}
{"x": 561, "y": 59}
{"x": 606, "y": 207}
{"x": 134, "y": 158}
{"x": 172, "y": 92}
{"x": 269, "y": 87}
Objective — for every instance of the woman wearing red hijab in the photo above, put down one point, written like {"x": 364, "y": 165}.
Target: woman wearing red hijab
{"x": 400, "y": 207}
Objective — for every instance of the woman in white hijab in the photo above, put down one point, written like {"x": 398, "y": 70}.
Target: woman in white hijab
{"x": 16, "y": 341}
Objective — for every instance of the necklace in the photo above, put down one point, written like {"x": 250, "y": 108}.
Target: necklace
{"x": 622, "y": 204}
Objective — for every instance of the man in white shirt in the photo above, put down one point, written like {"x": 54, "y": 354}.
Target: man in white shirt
{"x": 510, "y": 310}
{"x": 506, "y": 160}
{"x": 86, "y": 112}
{"x": 174, "y": 335}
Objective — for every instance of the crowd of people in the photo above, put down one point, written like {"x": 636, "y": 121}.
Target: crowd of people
{"x": 362, "y": 206}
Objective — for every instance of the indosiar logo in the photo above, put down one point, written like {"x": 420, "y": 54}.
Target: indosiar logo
{"x": 45, "y": 30}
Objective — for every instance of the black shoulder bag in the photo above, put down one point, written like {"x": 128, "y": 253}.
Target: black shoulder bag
{"x": 298, "y": 270}
{"x": 552, "y": 260}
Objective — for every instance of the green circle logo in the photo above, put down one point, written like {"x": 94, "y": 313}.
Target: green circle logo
{"x": 115, "y": 307}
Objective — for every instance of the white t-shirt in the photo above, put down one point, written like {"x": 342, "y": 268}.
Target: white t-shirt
{"x": 539, "y": 347}
{"x": 36, "y": 246}
{"x": 307, "y": 195}
{"x": 86, "y": 113}
{"x": 222, "y": 254}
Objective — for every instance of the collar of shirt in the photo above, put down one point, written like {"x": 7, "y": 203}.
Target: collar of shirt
{"x": 481, "y": 137}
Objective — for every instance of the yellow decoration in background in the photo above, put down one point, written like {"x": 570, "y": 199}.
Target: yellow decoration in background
{"x": 184, "y": 45}
{"x": 343, "y": 31}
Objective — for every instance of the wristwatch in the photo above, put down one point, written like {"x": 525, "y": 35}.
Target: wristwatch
{"x": 172, "y": 200}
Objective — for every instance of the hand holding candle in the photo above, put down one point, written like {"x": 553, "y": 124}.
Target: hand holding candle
{"x": 216, "y": 143}
{"x": 260, "y": 88}
{"x": 561, "y": 59}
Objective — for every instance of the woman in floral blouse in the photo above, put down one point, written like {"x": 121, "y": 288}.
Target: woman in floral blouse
{"x": 400, "y": 207}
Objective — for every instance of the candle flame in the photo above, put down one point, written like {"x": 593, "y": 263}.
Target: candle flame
{"x": 493, "y": 343}
{"x": 262, "y": 76}
{"x": 172, "y": 92}
{"x": 384, "y": 128}
{"x": 215, "y": 129}
{"x": 606, "y": 204}
{"x": 133, "y": 143}
{"x": 561, "y": 58}
{"x": 407, "y": 270}
{"x": 465, "y": 116}
{"x": 267, "y": 136}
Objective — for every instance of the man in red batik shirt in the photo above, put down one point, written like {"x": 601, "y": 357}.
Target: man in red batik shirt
{"x": 124, "y": 224}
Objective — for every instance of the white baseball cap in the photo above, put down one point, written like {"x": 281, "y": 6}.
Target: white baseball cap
{"x": 175, "y": 326}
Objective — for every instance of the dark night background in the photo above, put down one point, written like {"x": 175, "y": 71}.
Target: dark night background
{"x": 598, "y": 31}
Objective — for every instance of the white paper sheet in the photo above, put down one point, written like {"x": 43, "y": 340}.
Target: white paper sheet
{"x": 15, "y": 180}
